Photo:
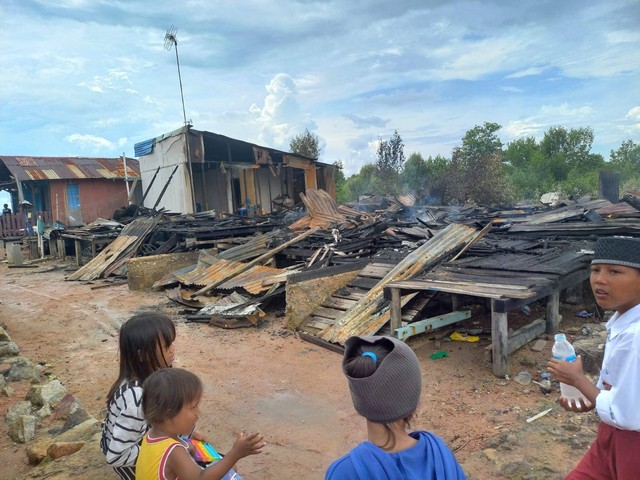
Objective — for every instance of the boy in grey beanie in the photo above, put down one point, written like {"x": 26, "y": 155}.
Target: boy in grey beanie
{"x": 385, "y": 383}
{"x": 615, "y": 281}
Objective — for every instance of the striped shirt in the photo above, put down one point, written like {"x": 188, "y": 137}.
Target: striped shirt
{"x": 124, "y": 426}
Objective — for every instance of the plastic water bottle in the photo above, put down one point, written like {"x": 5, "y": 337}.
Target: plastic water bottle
{"x": 563, "y": 350}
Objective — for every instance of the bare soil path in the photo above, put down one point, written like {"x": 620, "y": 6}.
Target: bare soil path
{"x": 266, "y": 379}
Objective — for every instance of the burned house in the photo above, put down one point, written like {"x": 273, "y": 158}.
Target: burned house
{"x": 71, "y": 190}
{"x": 215, "y": 172}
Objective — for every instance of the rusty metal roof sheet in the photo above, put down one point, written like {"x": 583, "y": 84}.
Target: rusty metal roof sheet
{"x": 252, "y": 280}
{"x": 63, "y": 168}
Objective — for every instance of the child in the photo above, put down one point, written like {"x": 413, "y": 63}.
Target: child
{"x": 170, "y": 401}
{"x": 385, "y": 383}
{"x": 615, "y": 281}
{"x": 146, "y": 345}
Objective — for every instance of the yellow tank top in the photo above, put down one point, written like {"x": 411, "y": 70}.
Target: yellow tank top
{"x": 153, "y": 456}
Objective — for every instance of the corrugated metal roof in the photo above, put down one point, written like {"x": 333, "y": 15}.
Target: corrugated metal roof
{"x": 63, "y": 168}
{"x": 144, "y": 148}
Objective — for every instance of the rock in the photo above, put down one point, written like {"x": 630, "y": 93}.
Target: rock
{"x": 6, "y": 391}
{"x": 62, "y": 449}
{"x": 4, "y": 336}
{"x": 17, "y": 410}
{"x": 66, "y": 407}
{"x": 50, "y": 393}
{"x": 23, "y": 369}
{"x": 76, "y": 418}
{"x": 23, "y": 429}
{"x": 44, "y": 411}
{"x": 539, "y": 345}
{"x": 491, "y": 454}
{"x": 37, "y": 453}
{"x": 88, "y": 465}
{"x": 8, "y": 349}
{"x": 592, "y": 355}
{"x": 2, "y": 381}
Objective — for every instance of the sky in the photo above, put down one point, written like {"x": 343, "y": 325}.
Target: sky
{"x": 90, "y": 78}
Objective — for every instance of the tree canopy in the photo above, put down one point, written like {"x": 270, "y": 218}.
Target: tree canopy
{"x": 306, "y": 143}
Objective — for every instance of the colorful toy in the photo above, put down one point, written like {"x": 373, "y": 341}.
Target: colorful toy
{"x": 204, "y": 454}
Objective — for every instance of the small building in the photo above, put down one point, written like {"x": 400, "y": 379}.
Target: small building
{"x": 215, "y": 172}
{"x": 71, "y": 190}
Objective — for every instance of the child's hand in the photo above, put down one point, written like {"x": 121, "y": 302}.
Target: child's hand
{"x": 566, "y": 372}
{"x": 577, "y": 406}
{"x": 246, "y": 445}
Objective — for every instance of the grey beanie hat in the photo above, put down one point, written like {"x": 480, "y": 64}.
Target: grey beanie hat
{"x": 392, "y": 391}
{"x": 623, "y": 251}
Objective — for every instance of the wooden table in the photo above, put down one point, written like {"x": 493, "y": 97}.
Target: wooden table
{"x": 506, "y": 293}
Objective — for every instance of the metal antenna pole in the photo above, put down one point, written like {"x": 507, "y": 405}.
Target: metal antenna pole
{"x": 169, "y": 40}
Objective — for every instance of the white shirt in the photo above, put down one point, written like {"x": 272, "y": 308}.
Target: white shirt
{"x": 619, "y": 405}
{"x": 124, "y": 426}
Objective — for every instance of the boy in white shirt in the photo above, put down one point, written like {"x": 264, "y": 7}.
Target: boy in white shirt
{"x": 615, "y": 281}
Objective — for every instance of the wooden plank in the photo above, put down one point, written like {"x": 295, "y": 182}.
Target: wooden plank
{"x": 316, "y": 341}
{"x": 525, "y": 334}
{"x": 352, "y": 294}
{"x": 338, "y": 303}
{"x": 326, "y": 272}
{"x": 327, "y": 312}
{"x": 320, "y": 322}
{"x": 375, "y": 271}
{"x": 366, "y": 283}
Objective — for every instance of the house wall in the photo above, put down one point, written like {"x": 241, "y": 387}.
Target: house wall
{"x": 166, "y": 154}
{"x": 99, "y": 198}
{"x": 268, "y": 187}
{"x": 217, "y": 183}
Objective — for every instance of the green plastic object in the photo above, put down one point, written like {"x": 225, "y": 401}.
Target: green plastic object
{"x": 437, "y": 355}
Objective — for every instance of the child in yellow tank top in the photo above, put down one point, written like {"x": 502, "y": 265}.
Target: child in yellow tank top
{"x": 170, "y": 401}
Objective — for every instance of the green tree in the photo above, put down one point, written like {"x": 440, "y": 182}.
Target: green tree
{"x": 390, "y": 162}
{"x": 415, "y": 173}
{"x": 627, "y": 157}
{"x": 341, "y": 193}
{"x": 365, "y": 182}
{"x": 475, "y": 172}
{"x": 425, "y": 177}
{"x": 306, "y": 143}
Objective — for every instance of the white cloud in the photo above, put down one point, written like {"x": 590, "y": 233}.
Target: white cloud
{"x": 280, "y": 117}
{"x": 89, "y": 142}
{"x": 524, "y": 128}
{"x": 633, "y": 114}
{"x": 564, "y": 111}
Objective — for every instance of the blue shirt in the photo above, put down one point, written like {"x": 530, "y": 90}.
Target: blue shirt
{"x": 428, "y": 459}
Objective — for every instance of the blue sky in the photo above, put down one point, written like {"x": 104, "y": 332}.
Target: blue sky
{"x": 92, "y": 77}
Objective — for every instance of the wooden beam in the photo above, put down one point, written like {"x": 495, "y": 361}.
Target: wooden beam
{"x": 553, "y": 308}
{"x": 499, "y": 338}
{"x": 525, "y": 334}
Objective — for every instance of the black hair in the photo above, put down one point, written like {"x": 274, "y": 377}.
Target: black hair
{"x": 362, "y": 366}
{"x": 166, "y": 391}
{"x": 140, "y": 340}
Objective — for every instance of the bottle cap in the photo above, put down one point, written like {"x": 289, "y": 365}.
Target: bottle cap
{"x": 560, "y": 337}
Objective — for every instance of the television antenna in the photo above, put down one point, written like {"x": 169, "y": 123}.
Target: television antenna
{"x": 170, "y": 39}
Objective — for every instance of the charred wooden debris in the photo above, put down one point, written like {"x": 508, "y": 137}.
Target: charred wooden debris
{"x": 333, "y": 264}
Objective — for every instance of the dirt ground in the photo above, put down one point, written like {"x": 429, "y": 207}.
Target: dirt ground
{"x": 267, "y": 379}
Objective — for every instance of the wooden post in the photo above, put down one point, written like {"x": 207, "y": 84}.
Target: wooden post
{"x": 53, "y": 249}
{"x": 553, "y": 309}
{"x": 396, "y": 311}
{"x": 455, "y": 302}
{"x": 499, "y": 340}
{"x": 62, "y": 251}
{"x": 78, "y": 245}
